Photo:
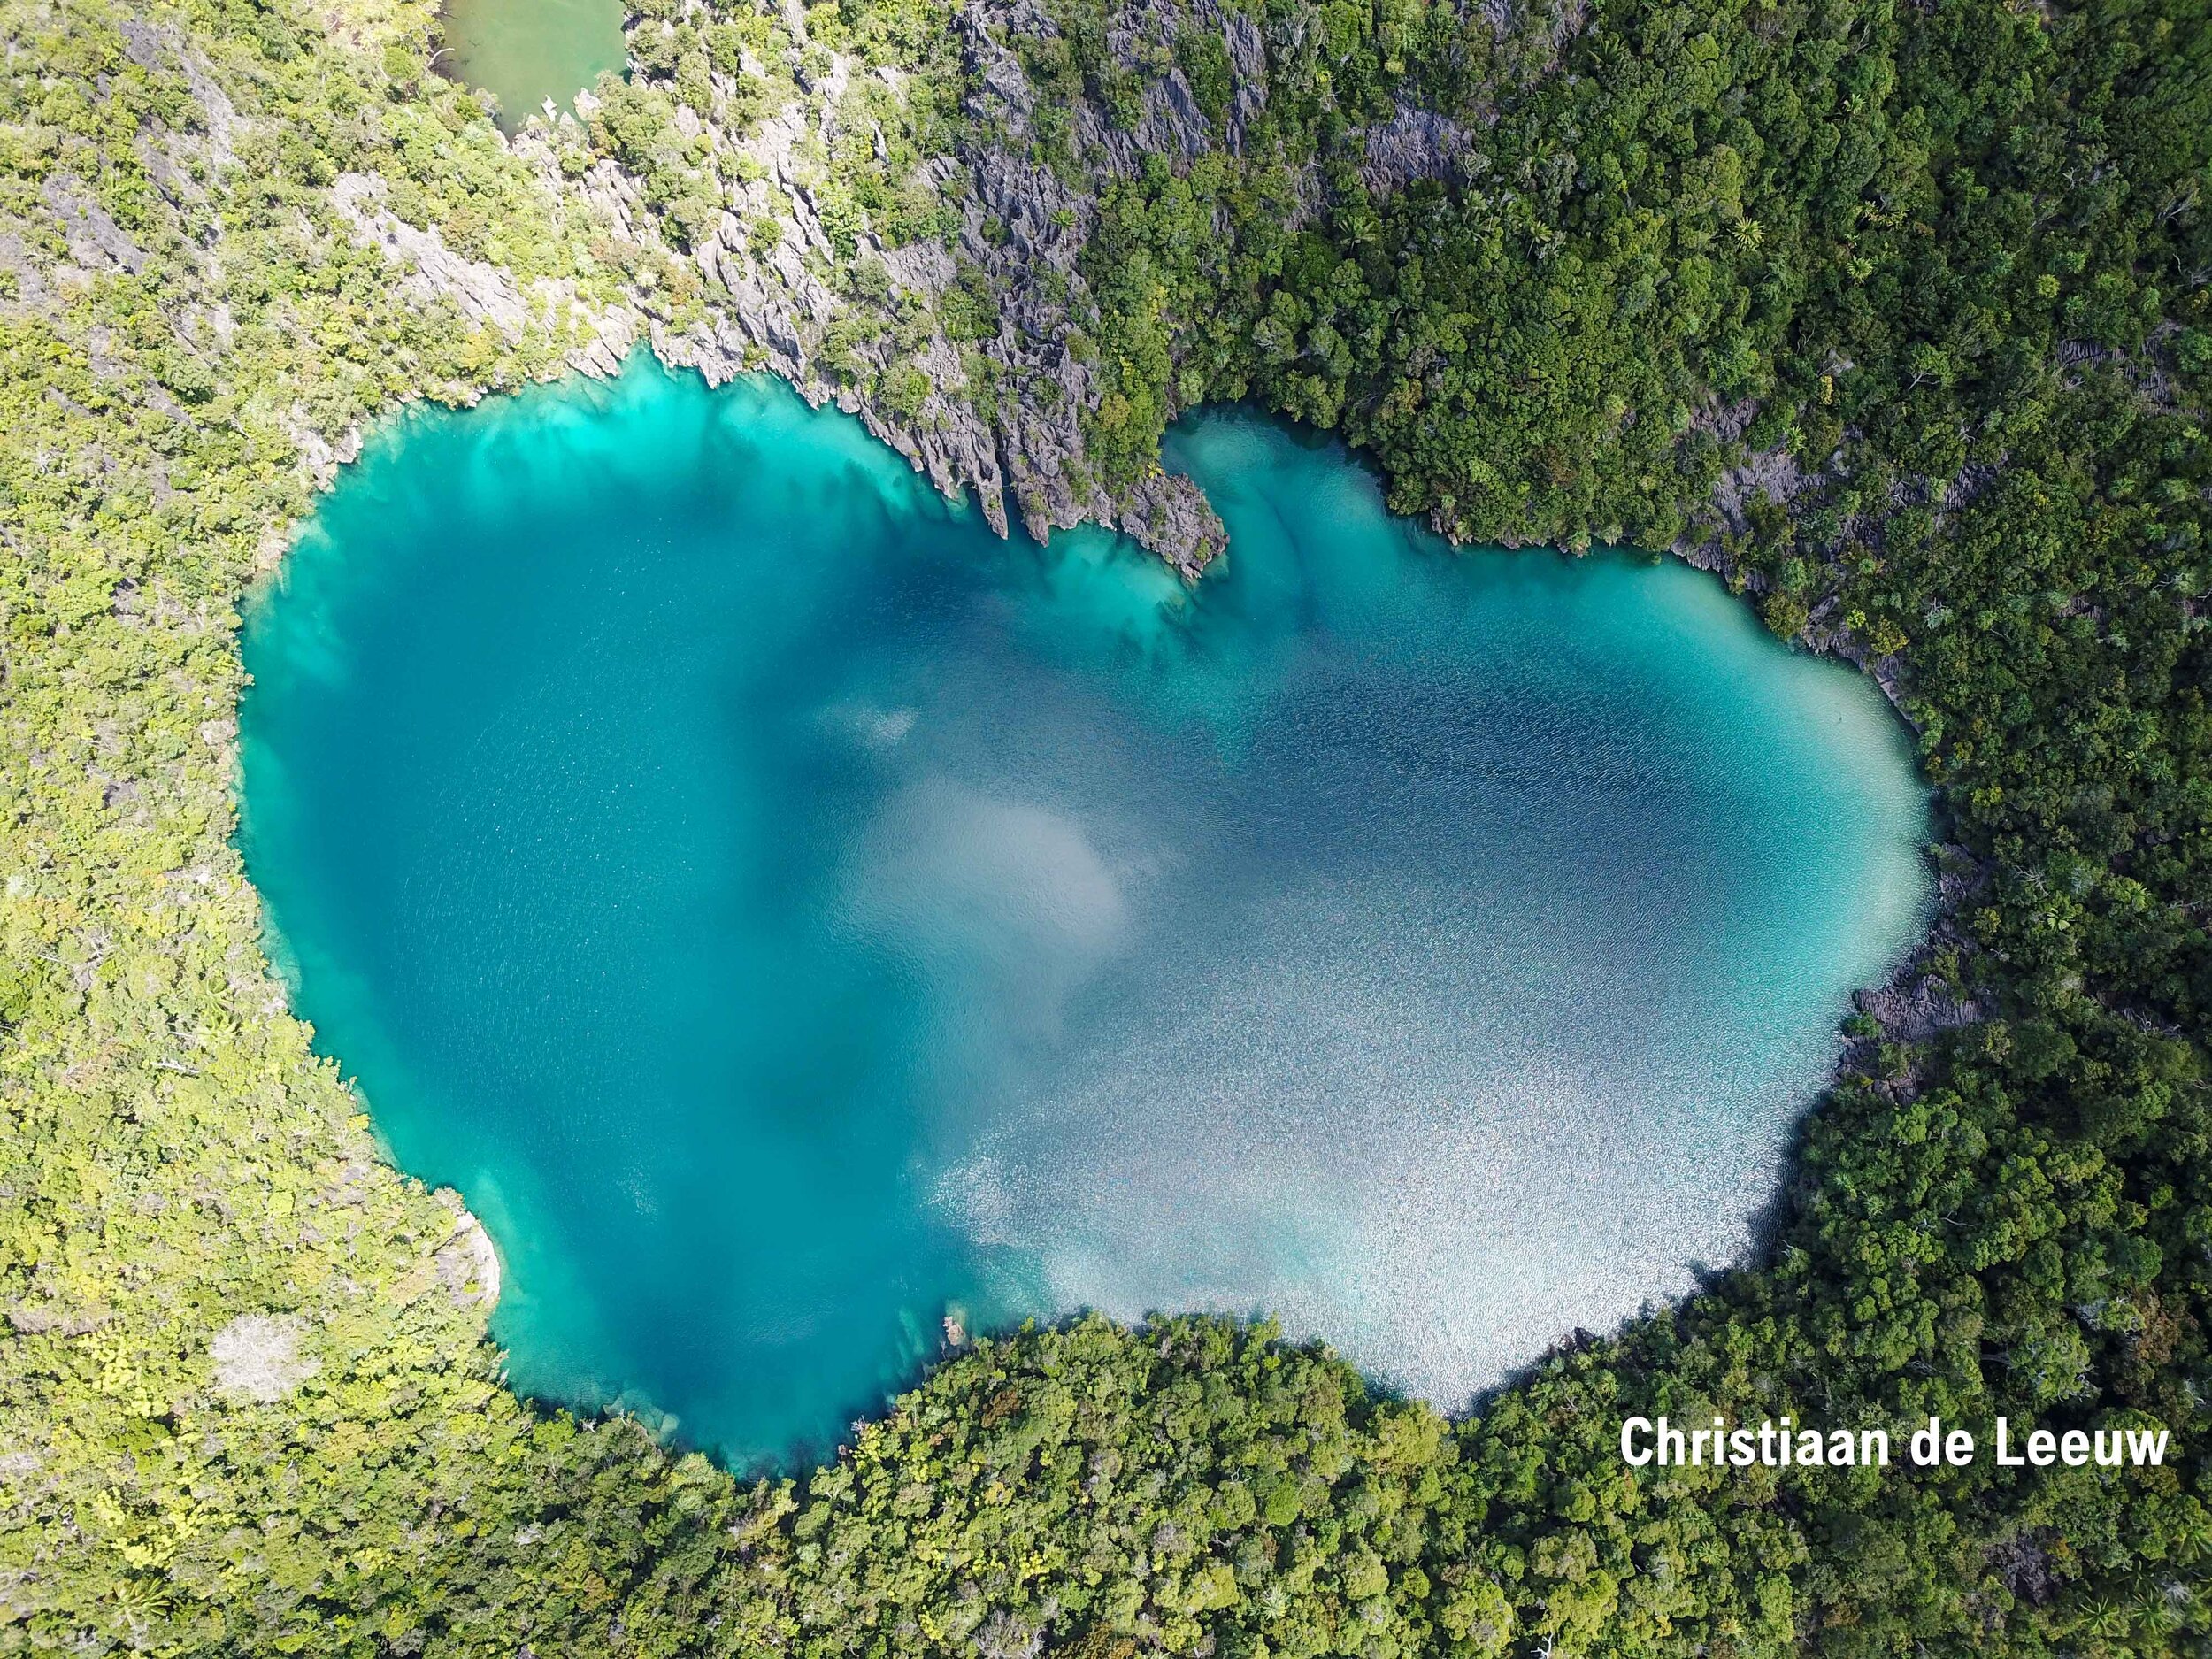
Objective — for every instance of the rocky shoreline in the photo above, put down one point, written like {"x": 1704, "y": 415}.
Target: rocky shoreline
{"x": 1020, "y": 226}
{"x": 774, "y": 303}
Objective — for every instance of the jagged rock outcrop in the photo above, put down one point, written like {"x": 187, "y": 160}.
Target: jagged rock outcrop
{"x": 483, "y": 293}
{"x": 468, "y": 1262}
{"x": 96, "y": 242}
{"x": 1918, "y": 1005}
{"x": 1415, "y": 144}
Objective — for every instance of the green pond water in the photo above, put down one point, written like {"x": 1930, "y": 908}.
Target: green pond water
{"x": 789, "y": 913}
{"x": 524, "y": 53}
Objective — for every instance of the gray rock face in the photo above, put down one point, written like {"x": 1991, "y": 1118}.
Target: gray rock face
{"x": 1171, "y": 515}
{"x": 256, "y": 1357}
{"x": 1916, "y": 1006}
{"x": 467, "y": 1263}
{"x": 96, "y": 243}
{"x": 485, "y": 294}
{"x": 1413, "y": 144}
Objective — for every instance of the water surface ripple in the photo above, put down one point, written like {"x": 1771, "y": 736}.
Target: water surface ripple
{"x": 788, "y": 912}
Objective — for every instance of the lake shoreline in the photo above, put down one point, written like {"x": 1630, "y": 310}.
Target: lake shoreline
{"x": 1648, "y": 686}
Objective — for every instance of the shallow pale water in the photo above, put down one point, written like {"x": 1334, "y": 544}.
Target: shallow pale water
{"x": 525, "y": 53}
{"x": 786, "y": 912}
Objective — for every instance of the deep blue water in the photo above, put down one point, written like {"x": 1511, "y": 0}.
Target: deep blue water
{"x": 789, "y": 913}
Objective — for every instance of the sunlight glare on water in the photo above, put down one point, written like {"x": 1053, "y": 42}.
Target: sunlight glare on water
{"x": 786, "y": 912}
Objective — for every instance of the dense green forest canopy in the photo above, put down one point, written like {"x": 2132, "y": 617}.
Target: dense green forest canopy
{"x": 1896, "y": 314}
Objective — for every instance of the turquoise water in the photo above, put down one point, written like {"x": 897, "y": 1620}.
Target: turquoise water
{"x": 788, "y": 913}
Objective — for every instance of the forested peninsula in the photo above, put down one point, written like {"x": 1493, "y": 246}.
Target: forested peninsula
{"x": 1895, "y": 315}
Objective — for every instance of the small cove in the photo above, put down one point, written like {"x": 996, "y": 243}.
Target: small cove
{"x": 523, "y": 55}
{"x": 789, "y": 912}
